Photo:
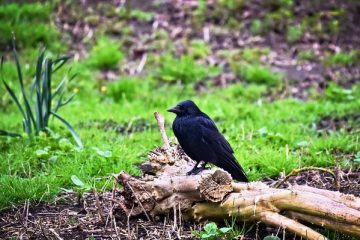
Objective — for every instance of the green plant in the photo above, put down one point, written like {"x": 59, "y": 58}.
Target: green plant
{"x": 184, "y": 69}
{"x": 336, "y": 93}
{"x": 201, "y": 10}
{"x": 123, "y": 88}
{"x": 256, "y": 27}
{"x": 232, "y": 5}
{"x": 253, "y": 55}
{"x": 306, "y": 55}
{"x": 105, "y": 54}
{"x": 294, "y": 33}
{"x": 334, "y": 26}
{"x": 212, "y": 232}
{"x": 278, "y": 14}
{"x": 357, "y": 158}
{"x": 81, "y": 187}
{"x": 36, "y": 118}
{"x": 136, "y": 14}
{"x": 249, "y": 55}
{"x": 256, "y": 73}
{"x": 341, "y": 58}
{"x": 199, "y": 49}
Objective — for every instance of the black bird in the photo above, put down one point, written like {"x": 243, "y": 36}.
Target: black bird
{"x": 201, "y": 140}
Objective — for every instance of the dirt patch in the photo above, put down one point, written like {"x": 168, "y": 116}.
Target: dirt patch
{"x": 68, "y": 218}
{"x": 225, "y": 29}
{"x": 135, "y": 125}
{"x": 349, "y": 123}
{"x": 348, "y": 180}
{"x": 99, "y": 215}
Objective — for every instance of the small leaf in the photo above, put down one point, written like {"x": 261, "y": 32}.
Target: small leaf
{"x": 67, "y": 190}
{"x": 271, "y": 238}
{"x": 106, "y": 153}
{"x": 210, "y": 227}
{"x": 357, "y": 157}
{"x": 302, "y": 144}
{"x": 205, "y": 235}
{"x": 41, "y": 152}
{"x": 196, "y": 234}
{"x": 224, "y": 229}
{"x": 77, "y": 181}
{"x": 263, "y": 131}
{"x": 65, "y": 144}
{"x": 53, "y": 158}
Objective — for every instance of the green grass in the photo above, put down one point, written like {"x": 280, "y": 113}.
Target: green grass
{"x": 267, "y": 139}
{"x": 31, "y": 25}
{"x": 118, "y": 129}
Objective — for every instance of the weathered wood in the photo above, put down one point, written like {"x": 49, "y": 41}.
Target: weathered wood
{"x": 213, "y": 195}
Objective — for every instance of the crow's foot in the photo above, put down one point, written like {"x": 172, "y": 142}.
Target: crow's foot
{"x": 195, "y": 171}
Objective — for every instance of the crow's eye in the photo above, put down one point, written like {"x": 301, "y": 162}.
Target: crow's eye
{"x": 181, "y": 107}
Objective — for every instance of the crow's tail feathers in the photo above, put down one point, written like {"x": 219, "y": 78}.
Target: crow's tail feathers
{"x": 231, "y": 165}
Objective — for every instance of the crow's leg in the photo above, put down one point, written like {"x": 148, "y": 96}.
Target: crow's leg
{"x": 196, "y": 169}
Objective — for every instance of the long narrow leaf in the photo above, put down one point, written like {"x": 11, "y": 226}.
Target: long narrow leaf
{"x": 47, "y": 91}
{"x": 11, "y": 92}
{"x": 32, "y": 87}
{"x": 68, "y": 100}
{"x": 9, "y": 134}
{"x": 30, "y": 117}
{"x": 73, "y": 76}
{"x": 59, "y": 87}
{"x": 59, "y": 62}
{"x": 59, "y": 101}
{"x": 44, "y": 94}
{"x": 27, "y": 128}
{"x": 62, "y": 84}
{"x": 13, "y": 96}
{"x": 70, "y": 128}
{"x": 39, "y": 92}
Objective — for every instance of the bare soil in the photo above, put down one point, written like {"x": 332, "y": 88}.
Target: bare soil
{"x": 100, "y": 216}
{"x": 82, "y": 21}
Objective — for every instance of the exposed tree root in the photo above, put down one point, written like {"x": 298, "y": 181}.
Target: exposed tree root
{"x": 213, "y": 195}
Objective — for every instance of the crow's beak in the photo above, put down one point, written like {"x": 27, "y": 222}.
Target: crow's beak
{"x": 174, "y": 110}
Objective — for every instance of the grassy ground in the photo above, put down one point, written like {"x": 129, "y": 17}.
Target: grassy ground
{"x": 115, "y": 121}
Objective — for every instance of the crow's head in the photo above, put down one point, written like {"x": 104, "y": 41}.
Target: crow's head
{"x": 184, "y": 108}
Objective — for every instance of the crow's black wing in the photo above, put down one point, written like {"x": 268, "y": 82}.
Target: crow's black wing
{"x": 188, "y": 131}
{"x": 215, "y": 142}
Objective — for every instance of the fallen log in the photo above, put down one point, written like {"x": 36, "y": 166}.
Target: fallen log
{"x": 164, "y": 186}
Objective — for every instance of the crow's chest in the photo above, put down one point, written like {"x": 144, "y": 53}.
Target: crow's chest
{"x": 186, "y": 127}
{"x": 188, "y": 132}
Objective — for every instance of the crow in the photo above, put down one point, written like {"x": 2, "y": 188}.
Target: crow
{"x": 201, "y": 140}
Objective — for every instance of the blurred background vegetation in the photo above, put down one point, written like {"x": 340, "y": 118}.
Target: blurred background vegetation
{"x": 280, "y": 78}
